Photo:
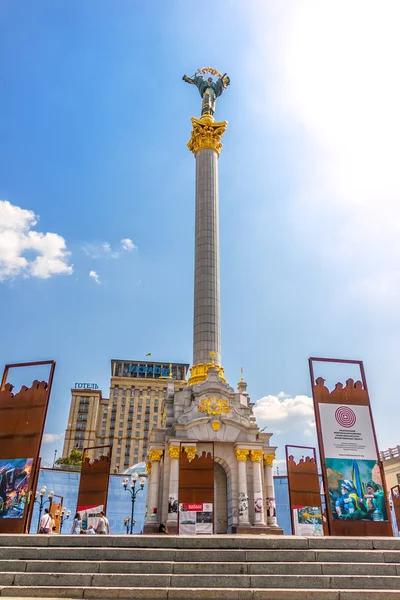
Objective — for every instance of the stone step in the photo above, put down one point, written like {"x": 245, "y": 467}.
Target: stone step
{"x": 193, "y": 593}
{"x": 203, "y": 542}
{"x": 64, "y": 580}
{"x": 199, "y": 568}
{"x": 191, "y": 555}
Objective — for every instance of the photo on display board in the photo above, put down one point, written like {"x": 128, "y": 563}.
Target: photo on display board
{"x": 173, "y": 503}
{"x": 90, "y": 515}
{"x": 355, "y": 490}
{"x": 15, "y": 474}
{"x": 204, "y": 517}
{"x": 308, "y": 520}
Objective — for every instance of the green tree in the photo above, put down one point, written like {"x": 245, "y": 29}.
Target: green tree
{"x": 75, "y": 458}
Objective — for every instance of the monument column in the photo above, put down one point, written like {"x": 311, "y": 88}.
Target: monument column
{"x": 243, "y": 498}
{"x": 205, "y": 143}
{"x": 172, "y": 521}
{"x": 256, "y": 458}
{"x": 153, "y": 489}
{"x": 269, "y": 490}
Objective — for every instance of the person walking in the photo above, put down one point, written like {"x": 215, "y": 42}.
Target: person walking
{"x": 52, "y": 523}
{"x": 103, "y": 526}
{"x": 76, "y": 524}
{"x": 45, "y": 522}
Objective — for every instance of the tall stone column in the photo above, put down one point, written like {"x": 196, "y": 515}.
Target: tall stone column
{"x": 205, "y": 143}
{"x": 153, "y": 489}
{"x": 269, "y": 490}
{"x": 243, "y": 498}
{"x": 256, "y": 458}
{"x": 172, "y": 521}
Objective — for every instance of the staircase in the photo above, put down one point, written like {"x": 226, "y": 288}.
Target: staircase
{"x": 202, "y": 567}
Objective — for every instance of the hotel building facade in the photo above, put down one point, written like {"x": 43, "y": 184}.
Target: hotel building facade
{"x": 134, "y": 408}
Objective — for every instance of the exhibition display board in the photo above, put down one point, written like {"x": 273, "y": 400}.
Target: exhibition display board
{"x": 354, "y": 482}
{"x": 23, "y": 416}
{"x": 395, "y": 493}
{"x": 304, "y": 491}
{"x": 93, "y": 485}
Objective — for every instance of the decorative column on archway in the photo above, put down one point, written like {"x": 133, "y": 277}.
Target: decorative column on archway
{"x": 243, "y": 498}
{"x": 174, "y": 452}
{"x": 256, "y": 458}
{"x": 154, "y": 483}
{"x": 269, "y": 490}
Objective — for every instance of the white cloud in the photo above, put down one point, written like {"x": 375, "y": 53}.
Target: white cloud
{"x": 50, "y": 438}
{"x": 94, "y": 275}
{"x": 127, "y": 244}
{"x": 287, "y": 414}
{"x": 102, "y": 250}
{"x": 50, "y": 256}
{"x": 325, "y": 70}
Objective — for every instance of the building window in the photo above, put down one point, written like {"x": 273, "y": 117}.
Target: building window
{"x": 118, "y": 460}
{"x": 121, "y": 423}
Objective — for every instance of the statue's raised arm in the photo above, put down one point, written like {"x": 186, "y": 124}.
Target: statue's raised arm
{"x": 189, "y": 79}
{"x": 208, "y": 89}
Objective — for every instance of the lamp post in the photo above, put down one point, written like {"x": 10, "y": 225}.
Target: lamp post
{"x": 63, "y": 517}
{"x": 39, "y": 498}
{"x": 130, "y": 487}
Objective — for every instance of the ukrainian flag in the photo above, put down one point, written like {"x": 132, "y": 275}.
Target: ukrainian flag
{"x": 148, "y": 354}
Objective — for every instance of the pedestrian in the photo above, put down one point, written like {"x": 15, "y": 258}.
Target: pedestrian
{"x": 45, "y": 522}
{"x": 76, "y": 524}
{"x": 91, "y": 530}
{"x": 163, "y": 528}
{"x": 52, "y": 524}
{"x": 103, "y": 526}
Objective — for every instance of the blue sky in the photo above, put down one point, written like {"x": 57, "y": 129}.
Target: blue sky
{"x": 94, "y": 120}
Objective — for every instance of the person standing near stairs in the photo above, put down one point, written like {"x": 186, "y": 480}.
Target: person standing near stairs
{"x": 103, "y": 526}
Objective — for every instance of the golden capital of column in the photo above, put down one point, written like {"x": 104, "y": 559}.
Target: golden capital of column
{"x": 198, "y": 373}
{"x": 256, "y": 455}
{"x": 241, "y": 453}
{"x": 155, "y": 455}
{"x": 190, "y": 452}
{"x": 268, "y": 459}
{"x": 174, "y": 451}
{"x": 206, "y": 133}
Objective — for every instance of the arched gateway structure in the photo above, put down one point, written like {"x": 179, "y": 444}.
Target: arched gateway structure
{"x": 210, "y": 466}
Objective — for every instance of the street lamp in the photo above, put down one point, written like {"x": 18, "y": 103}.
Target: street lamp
{"x": 39, "y": 498}
{"x": 63, "y": 517}
{"x": 130, "y": 487}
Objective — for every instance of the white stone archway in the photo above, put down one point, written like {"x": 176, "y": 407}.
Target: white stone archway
{"x": 223, "y": 510}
